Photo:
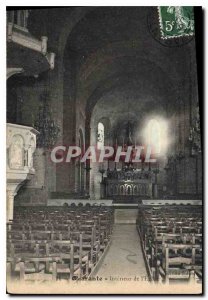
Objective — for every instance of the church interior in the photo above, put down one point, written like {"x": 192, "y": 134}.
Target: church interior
{"x": 100, "y": 76}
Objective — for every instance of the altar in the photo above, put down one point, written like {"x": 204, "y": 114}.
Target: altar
{"x": 128, "y": 185}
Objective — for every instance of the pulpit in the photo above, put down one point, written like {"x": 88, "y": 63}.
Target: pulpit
{"x": 21, "y": 145}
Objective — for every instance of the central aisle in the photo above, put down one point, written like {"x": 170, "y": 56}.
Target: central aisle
{"x": 124, "y": 257}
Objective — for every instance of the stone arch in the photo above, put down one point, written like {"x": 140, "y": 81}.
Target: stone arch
{"x": 122, "y": 190}
{"x": 129, "y": 190}
{"x": 115, "y": 191}
{"x": 135, "y": 190}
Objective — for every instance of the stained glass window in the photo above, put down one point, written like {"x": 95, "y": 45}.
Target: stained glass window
{"x": 100, "y": 135}
{"x": 154, "y": 136}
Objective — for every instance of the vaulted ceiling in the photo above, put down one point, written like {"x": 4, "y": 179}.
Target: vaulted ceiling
{"x": 114, "y": 48}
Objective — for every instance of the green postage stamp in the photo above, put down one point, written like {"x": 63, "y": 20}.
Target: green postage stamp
{"x": 176, "y": 21}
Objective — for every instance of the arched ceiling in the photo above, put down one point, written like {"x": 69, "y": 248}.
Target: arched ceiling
{"x": 106, "y": 25}
{"x": 140, "y": 84}
{"x": 123, "y": 105}
{"x": 113, "y": 48}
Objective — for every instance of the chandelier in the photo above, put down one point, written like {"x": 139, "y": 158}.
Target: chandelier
{"x": 44, "y": 123}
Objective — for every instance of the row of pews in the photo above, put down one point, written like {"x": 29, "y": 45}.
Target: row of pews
{"x": 53, "y": 243}
{"x": 171, "y": 239}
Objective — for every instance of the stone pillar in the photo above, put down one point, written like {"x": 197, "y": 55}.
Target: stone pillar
{"x": 150, "y": 192}
{"x": 155, "y": 190}
{"x": 77, "y": 178}
{"x": 82, "y": 178}
{"x": 10, "y": 204}
{"x": 102, "y": 190}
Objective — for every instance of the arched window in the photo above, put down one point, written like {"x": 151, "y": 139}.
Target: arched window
{"x": 154, "y": 133}
{"x": 100, "y": 136}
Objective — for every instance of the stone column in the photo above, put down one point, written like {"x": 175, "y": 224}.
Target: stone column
{"x": 102, "y": 190}
{"x": 10, "y": 204}
{"x": 77, "y": 176}
{"x": 155, "y": 190}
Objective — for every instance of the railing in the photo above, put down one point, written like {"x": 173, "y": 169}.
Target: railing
{"x": 130, "y": 189}
{"x": 17, "y": 32}
{"x": 19, "y": 18}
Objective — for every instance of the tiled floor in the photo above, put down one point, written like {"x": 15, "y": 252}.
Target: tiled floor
{"x": 124, "y": 257}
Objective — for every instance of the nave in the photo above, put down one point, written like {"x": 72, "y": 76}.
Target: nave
{"x": 104, "y": 149}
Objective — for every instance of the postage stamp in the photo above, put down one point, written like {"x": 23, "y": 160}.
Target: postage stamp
{"x": 176, "y": 21}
